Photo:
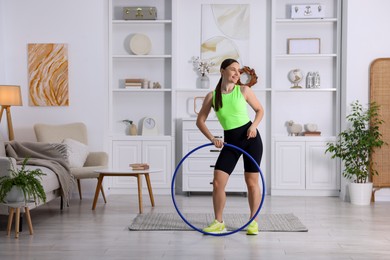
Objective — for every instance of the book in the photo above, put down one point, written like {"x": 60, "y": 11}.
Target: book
{"x": 134, "y": 81}
{"x": 139, "y": 166}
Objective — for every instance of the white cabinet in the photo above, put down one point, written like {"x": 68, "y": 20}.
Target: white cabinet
{"x": 303, "y": 168}
{"x": 137, "y": 103}
{"x": 197, "y": 170}
{"x": 156, "y": 153}
{"x": 294, "y": 159}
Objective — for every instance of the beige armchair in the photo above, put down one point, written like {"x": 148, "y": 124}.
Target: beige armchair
{"x": 76, "y": 131}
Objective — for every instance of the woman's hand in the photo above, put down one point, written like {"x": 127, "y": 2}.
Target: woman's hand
{"x": 252, "y": 132}
{"x": 217, "y": 142}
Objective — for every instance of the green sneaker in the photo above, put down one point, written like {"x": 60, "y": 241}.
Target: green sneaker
{"x": 253, "y": 228}
{"x": 216, "y": 227}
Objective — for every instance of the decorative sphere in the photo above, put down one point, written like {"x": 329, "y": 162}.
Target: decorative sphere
{"x": 295, "y": 76}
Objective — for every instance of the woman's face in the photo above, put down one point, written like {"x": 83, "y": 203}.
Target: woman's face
{"x": 231, "y": 73}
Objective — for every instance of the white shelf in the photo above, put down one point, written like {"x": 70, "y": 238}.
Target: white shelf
{"x": 132, "y": 22}
{"x": 143, "y": 90}
{"x": 292, "y": 21}
{"x": 208, "y": 90}
{"x": 285, "y": 138}
{"x": 296, "y": 56}
{"x": 162, "y": 56}
{"x": 123, "y": 137}
{"x": 299, "y": 163}
{"x": 307, "y": 90}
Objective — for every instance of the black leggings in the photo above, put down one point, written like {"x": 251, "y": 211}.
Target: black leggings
{"x": 228, "y": 157}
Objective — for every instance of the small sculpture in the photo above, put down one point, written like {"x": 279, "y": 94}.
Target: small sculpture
{"x": 311, "y": 127}
{"x": 156, "y": 85}
{"x": 293, "y": 128}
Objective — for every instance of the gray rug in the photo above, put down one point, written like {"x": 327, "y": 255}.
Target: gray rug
{"x": 172, "y": 221}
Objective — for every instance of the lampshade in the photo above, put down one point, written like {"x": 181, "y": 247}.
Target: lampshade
{"x": 10, "y": 95}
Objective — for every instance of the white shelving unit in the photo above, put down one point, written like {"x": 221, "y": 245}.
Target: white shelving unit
{"x": 136, "y": 104}
{"x": 299, "y": 163}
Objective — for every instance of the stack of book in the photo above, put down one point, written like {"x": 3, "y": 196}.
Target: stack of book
{"x": 139, "y": 166}
{"x": 133, "y": 83}
{"x": 314, "y": 133}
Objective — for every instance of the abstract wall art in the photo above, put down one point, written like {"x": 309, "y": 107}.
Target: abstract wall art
{"x": 225, "y": 33}
{"x": 48, "y": 74}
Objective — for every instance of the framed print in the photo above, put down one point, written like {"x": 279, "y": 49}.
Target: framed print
{"x": 303, "y": 46}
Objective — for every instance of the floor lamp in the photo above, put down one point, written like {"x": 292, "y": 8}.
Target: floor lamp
{"x": 9, "y": 96}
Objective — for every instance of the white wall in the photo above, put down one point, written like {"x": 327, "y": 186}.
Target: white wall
{"x": 83, "y": 26}
{"x": 2, "y": 72}
{"x": 367, "y": 38}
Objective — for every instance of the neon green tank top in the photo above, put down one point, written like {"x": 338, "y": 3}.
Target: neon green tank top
{"x": 234, "y": 111}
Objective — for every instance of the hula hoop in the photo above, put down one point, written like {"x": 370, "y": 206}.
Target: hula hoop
{"x": 200, "y": 230}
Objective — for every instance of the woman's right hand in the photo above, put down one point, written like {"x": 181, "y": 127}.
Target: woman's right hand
{"x": 217, "y": 142}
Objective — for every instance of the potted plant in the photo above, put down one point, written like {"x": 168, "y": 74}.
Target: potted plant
{"x": 354, "y": 147}
{"x": 22, "y": 185}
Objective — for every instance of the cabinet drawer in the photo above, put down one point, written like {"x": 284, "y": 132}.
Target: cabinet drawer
{"x": 199, "y": 166}
{"x": 197, "y": 136}
{"x": 211, "y": 124}
{"x": 208, "y": 151}
{"x": 203, "y": 183}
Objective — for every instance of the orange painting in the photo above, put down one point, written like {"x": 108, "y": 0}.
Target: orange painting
{"x": 48, "y": 74}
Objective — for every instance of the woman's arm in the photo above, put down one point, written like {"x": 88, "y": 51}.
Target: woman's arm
{"x": 201, "y": 120}
{"x": 252, "y": 100}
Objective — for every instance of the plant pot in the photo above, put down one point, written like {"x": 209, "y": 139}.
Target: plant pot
{"x": 360, "y": 193}
{"x": 15, "y": 195}
{"x": 203, "y": 82}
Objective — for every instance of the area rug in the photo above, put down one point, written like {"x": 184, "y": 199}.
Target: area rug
{"x": 172, "y": 221}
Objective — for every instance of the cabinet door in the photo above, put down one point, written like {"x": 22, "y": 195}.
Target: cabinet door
{"x": 290, "y": 165}
{"x": 158, "y": 155}
{"x": 124, "y": 153}
{"x": 320, "y": 167}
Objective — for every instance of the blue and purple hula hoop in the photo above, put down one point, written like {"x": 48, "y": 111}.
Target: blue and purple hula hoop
{"x": 200, "y": 230}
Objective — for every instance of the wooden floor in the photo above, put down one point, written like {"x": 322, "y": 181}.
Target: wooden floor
{"x": 337, "y": 230}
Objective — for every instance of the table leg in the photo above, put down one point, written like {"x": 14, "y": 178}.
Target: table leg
{"x": 98, "y": 187}
{"x": 139, "y": 192}
{"x": 28, "y": 217}
{"x": 149, "y": 188}
{"x": 10, "y": 218}
{"x": 17, "y": 220}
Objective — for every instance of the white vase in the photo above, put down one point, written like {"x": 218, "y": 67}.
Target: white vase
{"x": 360, "y": 193}
{"x": 15, "y": 195}
{"x": 204, "y": 82}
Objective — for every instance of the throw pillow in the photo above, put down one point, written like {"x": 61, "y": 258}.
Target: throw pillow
{"x": 77, "y": 152}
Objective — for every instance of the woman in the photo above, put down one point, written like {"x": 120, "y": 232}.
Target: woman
{"x": 229, "y": 102}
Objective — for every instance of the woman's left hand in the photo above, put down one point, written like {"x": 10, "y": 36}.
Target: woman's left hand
{"x": 252, "y": 132}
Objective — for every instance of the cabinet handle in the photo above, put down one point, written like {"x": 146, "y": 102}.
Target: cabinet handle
{"x": 211, "y": 183}
{"x": 216, "y": 136}
{"x": 214, "y": 151}
{"x": 212, "y": 166}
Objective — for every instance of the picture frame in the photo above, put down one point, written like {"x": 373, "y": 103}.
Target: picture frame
{"x": 303, "y": 46}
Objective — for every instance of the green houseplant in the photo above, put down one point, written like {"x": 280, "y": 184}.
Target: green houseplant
{"x": 27, "y": 181}
{"x": 355, "y": 145}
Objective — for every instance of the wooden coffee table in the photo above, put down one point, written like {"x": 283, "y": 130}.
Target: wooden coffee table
{"x": 126, "y": 173}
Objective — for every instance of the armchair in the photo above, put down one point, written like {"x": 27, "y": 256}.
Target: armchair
{"x": 76, "y": 131}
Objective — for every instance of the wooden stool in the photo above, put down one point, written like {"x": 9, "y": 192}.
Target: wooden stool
{"x": 15, "y": 208}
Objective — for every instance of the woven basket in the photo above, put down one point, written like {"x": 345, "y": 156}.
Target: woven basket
{"x": 380, "y": 93}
